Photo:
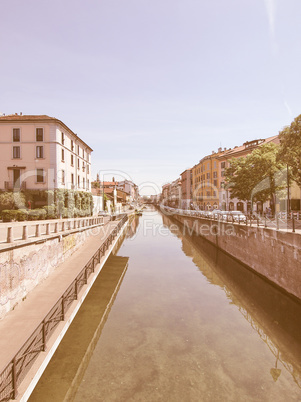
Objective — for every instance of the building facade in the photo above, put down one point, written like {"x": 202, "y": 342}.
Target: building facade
{"x": 205, "y": 182}
{"x": 225, "y": 200}
{"x": 186, "y": 188}
{"x": 42, "y": 153}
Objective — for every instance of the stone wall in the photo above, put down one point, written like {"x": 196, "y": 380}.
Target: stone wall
{"x": 276, "y": 255}
{"x": 22, "y": 268}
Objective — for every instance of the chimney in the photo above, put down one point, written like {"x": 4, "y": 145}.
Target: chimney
{"x": 220, "y": 149}
{"x": 20, "y": 113}
{"x": 225, "y": 149}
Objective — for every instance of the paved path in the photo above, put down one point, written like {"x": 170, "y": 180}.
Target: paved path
{"x": 19, "y": 324}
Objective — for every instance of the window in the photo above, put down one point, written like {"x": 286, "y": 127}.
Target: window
{"x": 208, "y": 175}
{"x": 16, "y": 135}
{"x": 63, "y": 138}
{"x": 16, "y": 153}
{"x": 72, "y": 145}
{"x": 72, "y": 178}
{"x": 72, "y": 160}
{"x": 39, "y": 134}
{"x": 77, "y": 163}
{"x": 223, "y": 165}
{"x": 78, "y": 150}
{"x": 63, "y": 176}
{"x": 40, "y": 175}
{"x": 223, "y": 173}
{"x": 63, "y": 155}
{"x": 84, "y": 166}
{"x": 84, "y": 182}
{"x": 78, "y": 181}
{"x": 215, "y": 164}
{"x": 83, "y": 154}
{"x": 88, "y": 169}
{"x": 214, "y": 175}
{"x": 215, "y": 183}
{"x": 88, "y": 184}
{"x": 39, "y": 152}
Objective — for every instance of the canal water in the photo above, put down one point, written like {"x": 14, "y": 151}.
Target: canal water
{"x": 171, "y": 318}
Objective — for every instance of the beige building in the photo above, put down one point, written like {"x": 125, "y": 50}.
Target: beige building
{"x": 225, "y": 201}
{"x": 42, "y": 153}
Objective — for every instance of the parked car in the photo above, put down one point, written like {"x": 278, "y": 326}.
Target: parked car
{"x": 102, "y": 213}
{"x": 238, "y": 216}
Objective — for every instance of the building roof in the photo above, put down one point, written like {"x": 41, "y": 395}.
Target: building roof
{"x": 38, "y": 118}
{"x": 248, "y": 146}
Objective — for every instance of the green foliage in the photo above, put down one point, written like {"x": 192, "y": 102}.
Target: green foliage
{"x": 50, "y": 211}
{"x": 36, "y": 214}
{"x": 11, "y": 200}
{"x": 257, "y": 176}
{"x": 22, "y": 215}
{"x": 9, "y": 215}
{"x": 290, "y": 148}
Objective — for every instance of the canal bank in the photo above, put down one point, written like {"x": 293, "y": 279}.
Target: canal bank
{"x": 50, "y": 308}
{"x": 189, "y": 323}
{"x": 274, "y": 254}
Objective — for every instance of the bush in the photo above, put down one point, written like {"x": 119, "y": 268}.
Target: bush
{"x": 10, "y": 200}
{"x": 9, "y": 215}
{"x": 21, "y": 215}
{"x": 36, "y": 214}
{"x": 50, "y": 212}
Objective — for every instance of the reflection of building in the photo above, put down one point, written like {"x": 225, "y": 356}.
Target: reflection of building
{"x": 261, "y": 304}
{"x": 42, "y": 153}
{"x": 186, "y": 184}
{"x": 132, "y": 227}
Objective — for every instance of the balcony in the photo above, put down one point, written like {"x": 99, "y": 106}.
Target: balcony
{"x": 10, "y": 185}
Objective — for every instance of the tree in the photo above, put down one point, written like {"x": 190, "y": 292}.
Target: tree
{"x": 290, "y": 148}
{"x": 257, "y": 176}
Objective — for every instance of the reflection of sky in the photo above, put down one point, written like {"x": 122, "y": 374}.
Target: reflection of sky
{"x": 153, "y": 86}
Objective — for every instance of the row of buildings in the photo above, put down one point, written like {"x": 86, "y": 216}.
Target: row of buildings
{"x": 203, "y": 186}
{"x": 39, "y": 152}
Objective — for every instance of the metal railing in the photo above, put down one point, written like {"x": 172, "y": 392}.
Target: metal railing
{"x": 288, "y": 222}
{"x": 18, "y": 367}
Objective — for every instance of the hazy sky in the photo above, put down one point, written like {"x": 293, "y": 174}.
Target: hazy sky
{"x": 153, "y": 85}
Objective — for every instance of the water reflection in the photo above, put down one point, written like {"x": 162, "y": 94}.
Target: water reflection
{"x": 133, "y": 227}
{"x": 275, "y": 316}
{"x": 64, "y": 372}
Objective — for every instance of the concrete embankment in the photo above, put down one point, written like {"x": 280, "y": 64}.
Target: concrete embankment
{"x": 273, "y": 254}
{"x": 19, "y": 325}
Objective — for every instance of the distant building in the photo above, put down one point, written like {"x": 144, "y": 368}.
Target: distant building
{"x": 165, "y": 193}
{"x": 130, "y": 188}
{"x": 205, "y": 182}
{"x": 186, "y": 188}
{"x": 39, "y": 152}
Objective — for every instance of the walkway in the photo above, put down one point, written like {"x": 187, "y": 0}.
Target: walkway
{"x": 18, "y": 325}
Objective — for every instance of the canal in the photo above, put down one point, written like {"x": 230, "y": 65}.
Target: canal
{"x": 171, "y": 318}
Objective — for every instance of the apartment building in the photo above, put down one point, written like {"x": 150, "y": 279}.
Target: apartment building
{"x": 39, "y": 152}
{"x": 129, "y": 188}
{"x": 225, "y": 201}
{"x": 205, "y": 182}
{"x": 186, "y": 187}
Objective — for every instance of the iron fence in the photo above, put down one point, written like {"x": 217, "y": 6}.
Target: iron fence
{"x": 18, "y": 367}
{"x": 288, "y": 222}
